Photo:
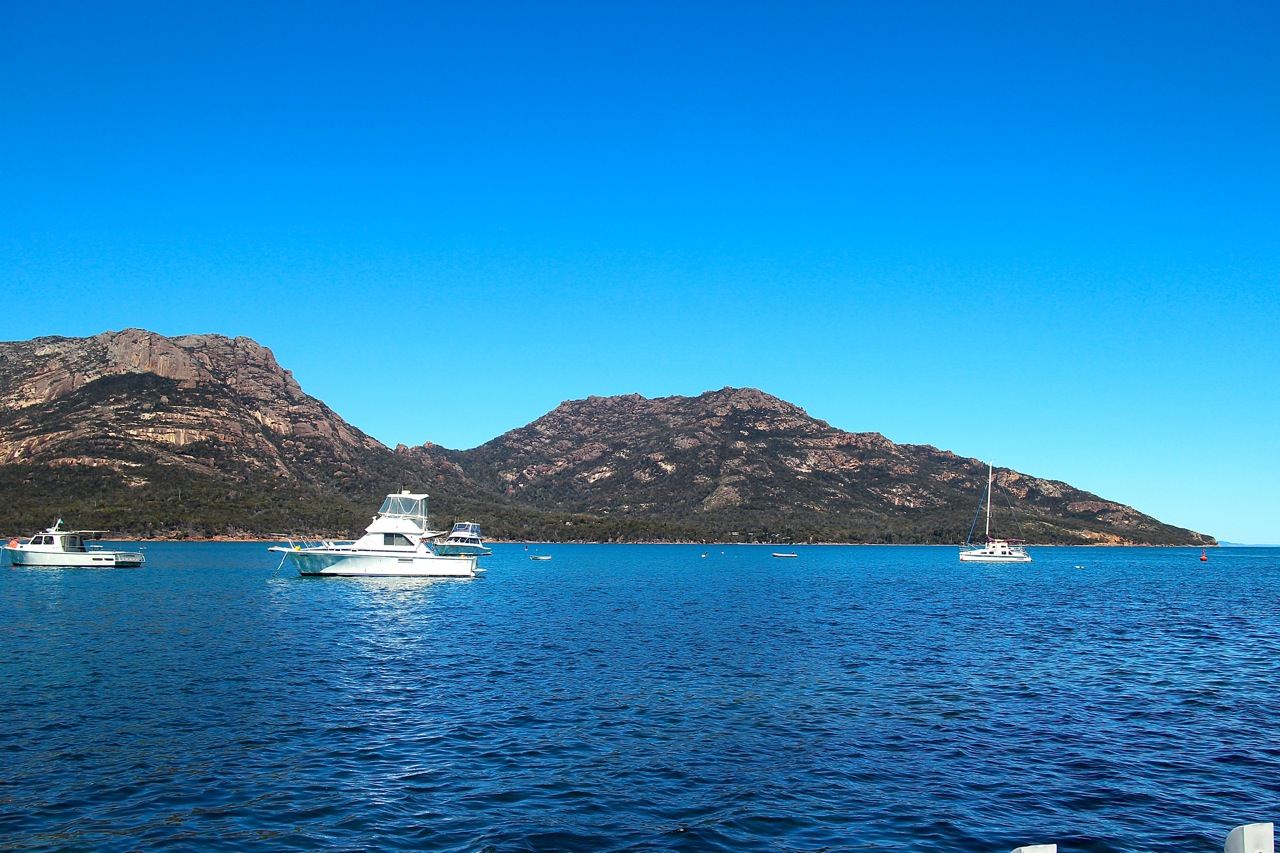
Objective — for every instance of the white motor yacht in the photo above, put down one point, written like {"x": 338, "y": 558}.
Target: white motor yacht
{"x": 60, "y": 548}
{"x": 463, "y": 539}
{"x": 396, "y": 544}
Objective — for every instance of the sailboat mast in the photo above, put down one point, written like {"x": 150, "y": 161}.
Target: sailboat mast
{"x": 988, "y": 501}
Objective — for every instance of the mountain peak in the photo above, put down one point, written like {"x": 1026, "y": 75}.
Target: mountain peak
{"x": 748, "y": 399}
{"x": 161, "y": 394}
{"x": 742, "y": 459}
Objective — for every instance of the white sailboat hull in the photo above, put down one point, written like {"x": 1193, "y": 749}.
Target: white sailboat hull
{"x": 996, "y": 551}
{"x": 980, "y": 557}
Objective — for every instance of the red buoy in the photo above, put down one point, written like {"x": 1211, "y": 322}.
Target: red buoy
{"x": 1203, "y": 557}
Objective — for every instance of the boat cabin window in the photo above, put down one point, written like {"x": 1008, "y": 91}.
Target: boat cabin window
{"x": 395, "y": 539}
{"x": 43, "y": 540}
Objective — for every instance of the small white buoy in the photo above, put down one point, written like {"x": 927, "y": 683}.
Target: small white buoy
{"x": 1251, "y": 838}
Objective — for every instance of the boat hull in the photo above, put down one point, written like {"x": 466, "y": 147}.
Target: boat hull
{"x": 321, "y": 563}
{"x": 71, "y": 560}
{"x": 984, "y": 557}
{"x": 445, "y": 549}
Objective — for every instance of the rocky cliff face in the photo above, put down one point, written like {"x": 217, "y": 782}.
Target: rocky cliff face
{"x": 739, "y": 457}
{"x": 149, "y": 395}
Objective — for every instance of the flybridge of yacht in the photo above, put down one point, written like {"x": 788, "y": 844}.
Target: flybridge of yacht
{"x": 406, "y": 505}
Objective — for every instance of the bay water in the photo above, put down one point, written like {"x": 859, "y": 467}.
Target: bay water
{"x": 644, "y": 697}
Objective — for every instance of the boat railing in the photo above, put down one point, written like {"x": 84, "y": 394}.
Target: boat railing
{"x": 302, "y": 542}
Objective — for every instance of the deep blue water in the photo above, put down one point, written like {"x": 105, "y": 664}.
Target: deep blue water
{"x": 644, "y": 698}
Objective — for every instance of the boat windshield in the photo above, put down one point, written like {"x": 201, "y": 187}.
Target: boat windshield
{"x": 464, "y": 528}
{"x": 405, "y": 506}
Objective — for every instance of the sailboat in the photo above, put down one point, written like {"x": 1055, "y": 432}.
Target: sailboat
{"x": 996, "y": 550}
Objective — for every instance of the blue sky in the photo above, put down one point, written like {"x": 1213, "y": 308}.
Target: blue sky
{"x": 1046, "y": 234}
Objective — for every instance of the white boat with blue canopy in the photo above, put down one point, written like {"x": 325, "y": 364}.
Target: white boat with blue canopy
{"x": 464, "y": 538}
{"x": 58, "y": 548}
{"x": 396, "y": 544}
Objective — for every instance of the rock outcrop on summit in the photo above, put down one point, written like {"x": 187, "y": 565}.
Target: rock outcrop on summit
{"x": 207, "y": 435}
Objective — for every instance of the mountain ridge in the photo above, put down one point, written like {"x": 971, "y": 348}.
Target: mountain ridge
{"x": 204, "y": 435}
{"x": 741, "y": 457}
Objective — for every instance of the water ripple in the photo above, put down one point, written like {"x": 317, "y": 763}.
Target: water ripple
{"x": 640, "y": 698}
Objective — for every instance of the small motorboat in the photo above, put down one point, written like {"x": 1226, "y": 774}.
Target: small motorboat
{"x": 58, "y": 548}
{"x": 539, "y": 556}
{"x": 786, "y": 555}
{"x": 463, "y": 540}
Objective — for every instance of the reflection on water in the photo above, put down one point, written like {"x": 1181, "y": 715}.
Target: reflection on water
{"x": 643, "y": 698}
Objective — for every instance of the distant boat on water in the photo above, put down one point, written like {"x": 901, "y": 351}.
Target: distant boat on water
{"x": 464, "y": 539}
{"x": 786, "y": 555}
{"x": 539, "y": 556}
{"x": 996, "y": 550}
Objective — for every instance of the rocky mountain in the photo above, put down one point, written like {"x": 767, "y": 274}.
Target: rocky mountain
{"x": 206, "y": 435}
{"x": 196, "y": 435}
{"x": 739, "y": 463}
{"x": 138, "y": 390}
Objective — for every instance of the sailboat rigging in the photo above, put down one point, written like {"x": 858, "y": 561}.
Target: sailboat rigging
{"x": 996, "y": 550}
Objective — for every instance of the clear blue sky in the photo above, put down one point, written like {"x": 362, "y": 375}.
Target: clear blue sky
{"x": 1046, "y": 234}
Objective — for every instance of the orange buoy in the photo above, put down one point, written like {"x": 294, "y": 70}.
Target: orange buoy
{"x": 1203, "y": 557}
